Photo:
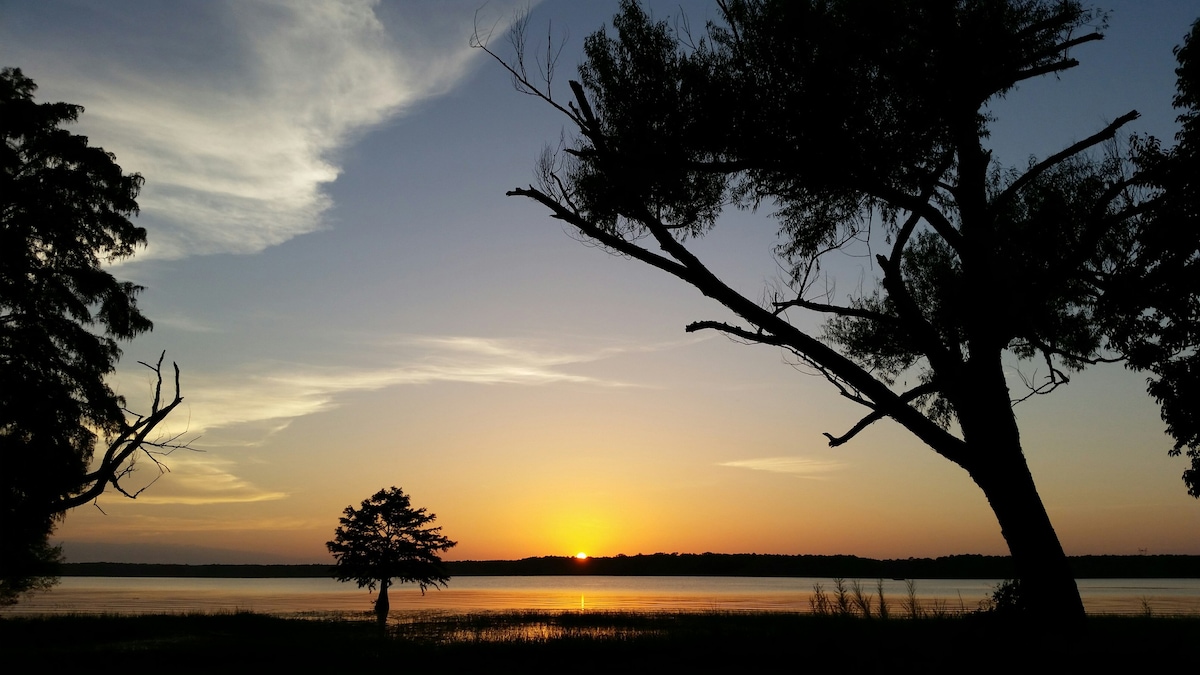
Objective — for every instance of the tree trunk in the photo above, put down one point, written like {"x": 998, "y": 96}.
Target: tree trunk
{"x": 1048, "y": 587}
{"x": 997, "y": 465}
{"x": 381, "y": 603}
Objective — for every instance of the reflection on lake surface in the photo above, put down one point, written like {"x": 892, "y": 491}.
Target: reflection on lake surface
{"x": 143, "y": 595}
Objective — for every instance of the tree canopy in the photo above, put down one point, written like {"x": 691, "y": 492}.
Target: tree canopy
{"x": 863, "y": 126}
{"x": 65, "y": 212}
{"x": 1153, "y": 306}
{"x": 385, "y": 539}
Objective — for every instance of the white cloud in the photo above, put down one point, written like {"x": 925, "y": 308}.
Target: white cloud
{"x": 237, "y": 147}
{"x": 799, "y": 466}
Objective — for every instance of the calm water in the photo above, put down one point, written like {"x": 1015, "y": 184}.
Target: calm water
{"x": 474, "y": 594}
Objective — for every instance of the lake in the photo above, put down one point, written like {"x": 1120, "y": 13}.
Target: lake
{"x": 144, "y": 595}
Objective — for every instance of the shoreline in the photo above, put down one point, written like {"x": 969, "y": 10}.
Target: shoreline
{"x": 688, "y": 564}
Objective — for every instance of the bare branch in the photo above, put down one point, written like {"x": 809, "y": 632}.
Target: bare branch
{"x": 604, "y": 237}
{"x": 735, "y": 331}
{"x": 122, "y": 451}
{"x": 1061, "y": 48}
{"x": 834, "y": 309}
{"x": 1038, "y": 71}
{"x": 1041, "y": 167}
{"x": 522, "y": 80}
{"x": 1053, "y": 66}
{"x": 876, "y": 415}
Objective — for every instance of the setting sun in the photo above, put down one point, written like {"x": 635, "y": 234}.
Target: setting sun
{"x": 581, "y": 555}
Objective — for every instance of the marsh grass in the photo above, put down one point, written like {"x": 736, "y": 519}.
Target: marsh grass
{"x": 862, "y": 600}
{"x": 853, "y": 600}
{"x": 819, "y": 601}
{"x": 910, "y": 604}
{"x": 592, "y": 642}
{"x": 841, "y": 596}
{"x": 883, "y": 610}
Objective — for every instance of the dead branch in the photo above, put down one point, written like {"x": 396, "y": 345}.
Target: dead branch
{"x": 876, "y": 415}
{"x": 1041, "y": 167}
{"x": 132, "y": 440}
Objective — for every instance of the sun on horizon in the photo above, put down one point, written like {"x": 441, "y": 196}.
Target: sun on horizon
{"x": 581, "y": 556}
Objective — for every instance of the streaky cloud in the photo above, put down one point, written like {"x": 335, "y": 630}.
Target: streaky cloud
{"x": 804, "y": 467}
{"x": 262, "y": 402}
{"x": 196, "y": 479}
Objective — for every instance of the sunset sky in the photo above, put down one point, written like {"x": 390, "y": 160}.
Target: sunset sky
{"x": 355, "y": 304}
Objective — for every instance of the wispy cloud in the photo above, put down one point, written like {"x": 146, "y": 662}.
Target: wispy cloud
{"x": 273, "y": 394}
{"x": 144, "y": 524}
{"x": 799, "y": 466}
{"x": 238, "y": 147}
{"x": 197, "y": 478}
{"x": 182, "y": 322}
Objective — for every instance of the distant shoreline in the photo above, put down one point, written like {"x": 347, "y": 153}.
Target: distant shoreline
{"x": 703, "y": 564}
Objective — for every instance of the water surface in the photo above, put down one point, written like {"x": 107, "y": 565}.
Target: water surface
{"x": 145, "y": 595}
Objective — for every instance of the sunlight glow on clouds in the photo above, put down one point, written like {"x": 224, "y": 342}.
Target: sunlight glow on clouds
{"x": 236, "y": 152}
{"x": 196, "y": 478}
{"x": 799, "y": 466}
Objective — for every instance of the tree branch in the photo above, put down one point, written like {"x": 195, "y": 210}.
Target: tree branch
{"x": 604, "y": 237}
{"x": 834, "y": 309}
{"x": 876, "y": 415}
{"x": 1038, "y": 71}
{"x": 1062, "y": 47}
{"x": 132, "y": 438}
{"x": 1041, "y": 167}
{"x": 919, "y": 204}
{"x": 773, "y": 328}
{"x": 520, "y": 75}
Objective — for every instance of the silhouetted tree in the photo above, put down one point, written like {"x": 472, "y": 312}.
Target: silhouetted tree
{"x": 869, "y": 116}
{"x": 1152, "y": 309}
{"x": 64, "y": 208}
{"x": 385, "y": 539}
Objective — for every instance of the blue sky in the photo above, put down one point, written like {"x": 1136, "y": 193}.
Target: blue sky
{"x": 355, "y": 304}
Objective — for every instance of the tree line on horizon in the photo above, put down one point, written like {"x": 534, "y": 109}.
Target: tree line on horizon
{"x": 964, "y": 566}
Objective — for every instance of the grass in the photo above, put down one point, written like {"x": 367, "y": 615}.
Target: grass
{"x": 593, "y": 642}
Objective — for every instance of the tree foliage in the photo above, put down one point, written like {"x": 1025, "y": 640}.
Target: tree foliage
{"x": 385, "y": 538}
{"x": 1153, "y": 307}
{"x": 65, "y": 212}
{"x": 862, "y": 125}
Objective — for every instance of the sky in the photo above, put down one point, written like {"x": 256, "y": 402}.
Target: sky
{"x": 354, "y": 304}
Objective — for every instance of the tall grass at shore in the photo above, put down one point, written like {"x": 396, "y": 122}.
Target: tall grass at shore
{"x": 854, "y": 600}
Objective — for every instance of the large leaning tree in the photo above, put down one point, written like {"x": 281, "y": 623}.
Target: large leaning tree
{"x": 863, "y": 126}
{"x": 64, "y": 211}
{"x": 384, "y": 539}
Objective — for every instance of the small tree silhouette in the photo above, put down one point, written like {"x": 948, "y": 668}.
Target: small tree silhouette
{"x": 385, "y": 539}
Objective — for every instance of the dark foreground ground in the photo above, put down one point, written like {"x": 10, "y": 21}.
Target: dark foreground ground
{"x": 595, "y": 642}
